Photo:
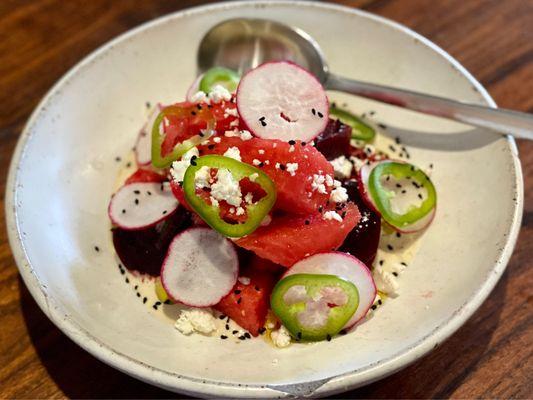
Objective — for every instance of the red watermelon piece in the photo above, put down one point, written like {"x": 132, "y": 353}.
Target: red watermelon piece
{"x": 248, "y": 304}
{"x": 288, "y": 239}
{"x": 294, "y": 190}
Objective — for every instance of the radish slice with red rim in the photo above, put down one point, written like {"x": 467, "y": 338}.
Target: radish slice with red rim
{"x": 200, "y": 268}
{"x": 143, "y": 145}
{"x": 280, "y": 100}
{"x": 194, "y": 88}
{"x": 141, "y": 205}
{"x": 362, "y": 185}
{"x": 344, "y": 266}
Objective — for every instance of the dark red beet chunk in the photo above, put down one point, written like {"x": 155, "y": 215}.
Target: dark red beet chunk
{"x": 335, "y": 140}
{"x": 144, "y": 250}
{"x": 362, "y": 242}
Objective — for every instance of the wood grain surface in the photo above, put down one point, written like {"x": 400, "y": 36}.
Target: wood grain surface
{"x": 491, "y": 356}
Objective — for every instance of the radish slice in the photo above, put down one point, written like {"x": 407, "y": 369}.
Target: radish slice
{"x": 143, "y": 146}
{"x": 280, "y": 100}
{"x": 142, "y": 204}
{"x": 201, "y": 267}
{"x": 347, "y": 267}
{"x": 362, "y": 185}
{"x": 194, "y": 88}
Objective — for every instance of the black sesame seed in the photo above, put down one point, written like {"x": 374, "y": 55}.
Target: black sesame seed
{"x": 387, "y": 178}
{"x": 136, "y": 201}
{"x": 371, "y": 112}
{"x": 239, "y": 300}
{"x": 431, "y": 166}
{"x": 292, "y": 142}
{"x": 148, "y": 193}
{"x": 380, "y": 302}
{"x": 398, "y": 185}
{"x": 382, "y": 126}
{"x": 343, "y": 332}
{"x": 128, "y": 165}
{"x": 122, "y": 271}
{"x": 299, "y": 335}
{"x": 263, "y": 123}
{"x": 227, "y": 319}
{"x": 237, "y": 291}
{"x": 395, "y": 273}
{"x": 404, "y": 264}
{"x": 398, "y": 234}
{"x": 211, "y": 146}
{"x": 262, "y": 118}
{"x": 247, "y": 335}
{"x": 138, "y": 294}
{"x": 222, "y": 316}
{"x": 198, "y": 106}
{"x": 148, "y": 104}
{"x": 313, "y": 111}
{"x": 227, "y": 327}
{"x": 282, "y": 167}
{"x": 242, "y": 337}
{"x": 201, "y": 134}
{"x": 261, "y": 330}
{"x": 381, "y": 262}
{"x": 404, "y": 191}
{"x": 390, "y": 247}
{"x": 145, "y": 299}
{"x": 164, "y": 212}
{"x": 328, "y": 337}
{"x": 167, "y": 301}
{"x": 118, "y": 159}
{"x": 420, "y": 196}
{"x": 320, "y": 115}
{"x": 343, "y": 215}
{"x": 261, "y": 164}
{"x": 392, "y": 148}
{"x": 154, "y": 307}
{"x": 303, "y": 143}
{"x": 96, "y": 248}
{"x": 136, "y": 287}
{"x": 123, "y": 211}
{"x": 137, "y": 191}
{"x": 127, "y": 280}
{"x": 307, "y": 222}
{"x": 320, "y": 208}
{"x": 193, "y": 112}
{"x": 397, "y": 140}
{"x": 234, "y": 332}
{"x": 257, "y": 288}
{"x": 223, "y": 337}
{"x": 374, "y": 307}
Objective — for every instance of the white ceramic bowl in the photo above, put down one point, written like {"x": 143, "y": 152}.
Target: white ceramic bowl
{"x": 64, "y": 167}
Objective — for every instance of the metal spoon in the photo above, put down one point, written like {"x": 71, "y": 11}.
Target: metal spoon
{"x": 244, "y": 43}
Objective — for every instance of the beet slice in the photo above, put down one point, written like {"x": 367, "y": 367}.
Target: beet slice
{"x": 362, "y": 242}
{"x": 334, "y": 141}
{"x": 144, "y": 250}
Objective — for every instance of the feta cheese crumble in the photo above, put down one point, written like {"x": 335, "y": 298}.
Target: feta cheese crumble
{"x": 339, "y": 195}
{"x": 318, "y": 183}
{"x": 217, "y": 139}
{"x": 256, "y": 162}
{"x": 244, "y": 280}
{"x": 246, "y": 135}
{"x": 233, "y": 152}
{"x": 292, "y": 168}
{"x": 385, "y": 281}
{"x": 226, "y": 188}
{"x": 281, "y": 337}
{"x": 342, "y": 167}
{"x": 202, "y": 178}
{"x": 231, "y": 112}
{"x": 195, "y": 320}
{"x": 218, "y": 94}
{"x": 177, "y": 171}
{"x": 199, "y": 97}
{"x": 329, "y": 215}
{"x": 253, "y": 177}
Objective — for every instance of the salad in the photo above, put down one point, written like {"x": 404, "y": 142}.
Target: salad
{"x": 257, "y": 208}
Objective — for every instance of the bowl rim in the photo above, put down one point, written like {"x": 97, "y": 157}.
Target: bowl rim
{"x": 205, "y": 387}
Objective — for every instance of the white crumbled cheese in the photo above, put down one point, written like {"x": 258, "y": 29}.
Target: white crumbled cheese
{"x": 329, "y": 215}
{"x": 214, "y": 202}
{"x": 261, "y": 151}
{"x": 240, "y": 211}
{"x": 179, "y": 167}
{"x": 277, "y": 165}
{"x": 357, "y": 163}
{"x": 318, "y": 183}
{"x": 246, "y": 135}
{"x": 244, "y": 280}
{"x": 202, "y": 178}
{"x": 219, "y": 93}
{"x": 232, "y": 210}
{"x": 217, "y": 139}
{"x": 254, "y": 176}
{"x": 267, "y": 162}
{"x": 231, "y": 112}
{"x": 195, "y": 320}
{"x": 291, "y": 168}
{"x": 329, "y": 180}
{"x": 385, "y": 281}
{"x": 342, "y": 167}
{"x": 233, "y": 152}
{"x": 339, "y": 195}
{"x": 231, "y": 133}
{"x": 255, "y": 161}
{"x": 291, "y": 149}
{"x": 234, "y": 123}
{"x": 249, "y": 198}
{"x": 281, "y": 337}
{"x": 199, "y": 97}
{"x": 226, "y": 188}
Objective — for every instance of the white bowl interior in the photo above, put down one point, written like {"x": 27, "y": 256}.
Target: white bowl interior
{"x": 67, "y": 170}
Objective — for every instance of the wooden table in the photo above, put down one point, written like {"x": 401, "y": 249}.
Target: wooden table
{"x": 491, "y": 356}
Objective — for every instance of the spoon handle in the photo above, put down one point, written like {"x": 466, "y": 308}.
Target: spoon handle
{"x": 517, "y": 124}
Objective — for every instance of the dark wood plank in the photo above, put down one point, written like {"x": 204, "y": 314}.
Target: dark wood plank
{"x": 489, "y": 357}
